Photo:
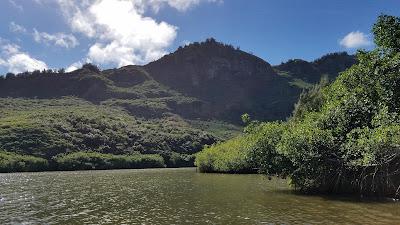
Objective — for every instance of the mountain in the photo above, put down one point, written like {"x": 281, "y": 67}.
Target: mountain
{"x": 230, "y": 82}
{"x": 329, "y": 65}
{"x": 172, "y": 106}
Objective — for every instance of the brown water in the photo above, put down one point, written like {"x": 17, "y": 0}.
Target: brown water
{"x": 172, "y": 196}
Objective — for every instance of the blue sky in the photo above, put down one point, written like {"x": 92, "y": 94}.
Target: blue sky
{"x": 37, "y": 34}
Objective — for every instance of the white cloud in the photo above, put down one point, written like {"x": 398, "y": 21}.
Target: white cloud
{"x": 22, "y": 62}
{"x": 180, "y": 5}
{"x": 16, "y": 5}
{"x": 355, "y": 39}
{"x": 16, "y": 61}
{"x": 121, "y": 32}
{"x": 10, "y": 49}
{"x": 16, "y": 28}
{"x": 2, "y": 62}
{"x": 73, "y": 67}
{"x": 58, "y": 39}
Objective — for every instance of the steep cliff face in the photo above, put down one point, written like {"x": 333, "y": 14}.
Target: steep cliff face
{"x": 230, "y": 82}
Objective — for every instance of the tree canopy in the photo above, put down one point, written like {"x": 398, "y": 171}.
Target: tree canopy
{"x": 343, "y": 137}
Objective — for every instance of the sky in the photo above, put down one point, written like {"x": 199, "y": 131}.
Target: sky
{"x": 51, "y": 34}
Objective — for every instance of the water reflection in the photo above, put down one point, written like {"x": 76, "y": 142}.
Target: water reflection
{"x": 172, "y": 196}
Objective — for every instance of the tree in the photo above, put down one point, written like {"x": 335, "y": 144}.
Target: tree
{"x": 347, "y": 136}
{"x": 61, "y": 70}
{"x": 387, "y": 33}
{"x": 91, "y": 67}
{"x": 246, "y": 118}
{"x": 10, "y": 75}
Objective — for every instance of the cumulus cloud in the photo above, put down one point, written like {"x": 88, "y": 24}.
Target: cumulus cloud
{"x": 22, "y": 62}
{"x": 121, "y": 32}
{"x": 16, "y": 28}
{"x": 355, "y": 39}
{"x": 58, "y": 39}
{"x": 73, "y": 67}
{"x": 16, "y": 61}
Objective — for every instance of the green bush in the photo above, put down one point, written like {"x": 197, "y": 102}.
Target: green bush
{"x": 95, "y": 160}
{"x": 175, "y": 160}
{"x": 252, "y": 151}
{"x": 265, "y": 154}
{"x": 231, "y": 156}
{"x": 12, "y": 162}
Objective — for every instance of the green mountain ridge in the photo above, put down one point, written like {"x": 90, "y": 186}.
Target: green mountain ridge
{"x": 172, "y": 107}
{"x": 329, "y": 65}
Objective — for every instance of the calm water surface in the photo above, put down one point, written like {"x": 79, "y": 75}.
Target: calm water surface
{"x": 172, "y": 196}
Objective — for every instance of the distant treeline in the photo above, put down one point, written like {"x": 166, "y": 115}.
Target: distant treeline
{"x": 88, "y": 160}
{"x": 87, "y": 66}
{"x": 343, "y": 137}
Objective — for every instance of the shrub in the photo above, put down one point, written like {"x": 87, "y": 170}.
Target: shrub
{"x": 231, "y": 156}
{"x": 12, "y": 162}
{"x": 95, "y": 160}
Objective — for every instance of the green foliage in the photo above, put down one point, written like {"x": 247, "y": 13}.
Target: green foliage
{"x": 310, "y": 150}
{"x": 91, "y": 67}
{"x": 347, "y": 141}
{"x": 387, "y": 32}
{"x": 264, "y": 153}
{"x": 174, "y": 159}
{"x": 231, "y": 156}
{"x": 45, "y": 128}
{"x": 247, "y": 152}
{"x": 83, "y": 160}
{"x": 304, "y": 74}
{"x": 246, "y": 118}
{"x": 93, "y": 160}
{"x": 342, "y": 138}
{"x": 219, "y": 129}
{"x": 310, "y": 100}
{"x": 11, "y": 162}
{"x": 300, "y": 84}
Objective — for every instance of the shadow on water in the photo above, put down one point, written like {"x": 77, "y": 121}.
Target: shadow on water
{"x": 340, "y": 197}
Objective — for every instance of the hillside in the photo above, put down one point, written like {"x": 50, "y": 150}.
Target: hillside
{"x": 230, "y": 81}
{"x": 301, "y": 71}
{"x": 172, "y": 107}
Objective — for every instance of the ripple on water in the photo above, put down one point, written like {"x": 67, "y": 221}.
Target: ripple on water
{"x": 172, "y": 196}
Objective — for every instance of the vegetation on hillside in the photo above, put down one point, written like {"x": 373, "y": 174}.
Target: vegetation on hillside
{"x": 343, "y": 137}
{"x": 46, "y": 128}
{"x": 329, "y": 66}
{"x": 153, "y": 109}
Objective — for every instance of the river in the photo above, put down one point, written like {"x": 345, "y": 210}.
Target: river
{"x": 173, "y": 196}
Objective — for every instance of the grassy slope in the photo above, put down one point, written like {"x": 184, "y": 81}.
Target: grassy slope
{"x": 45, "y": 128}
